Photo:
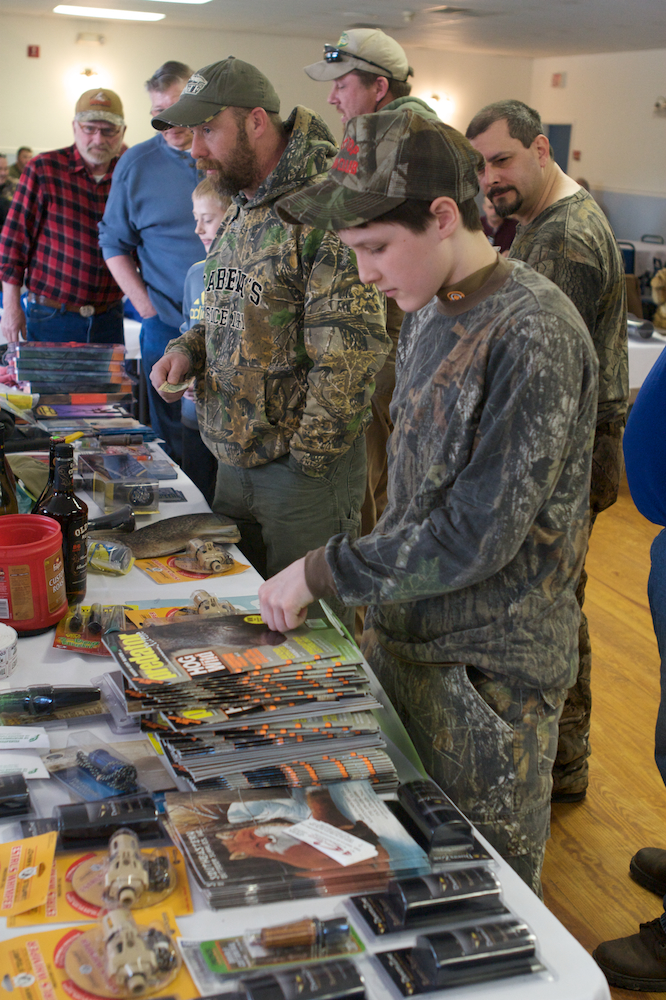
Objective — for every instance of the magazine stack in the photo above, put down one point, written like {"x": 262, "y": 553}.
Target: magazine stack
{"x": 246, "y": 847}
{"x": 54, "y": 370}
{"x": 237, "y": 706}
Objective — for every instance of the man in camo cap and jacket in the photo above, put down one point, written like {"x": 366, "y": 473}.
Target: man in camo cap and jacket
{"x": 292, "y": 340}
{"x": 369, "y": 71}
{"x": 471, "y": 572}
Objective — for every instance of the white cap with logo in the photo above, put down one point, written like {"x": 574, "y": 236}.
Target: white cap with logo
{"x": 367, "y": 49}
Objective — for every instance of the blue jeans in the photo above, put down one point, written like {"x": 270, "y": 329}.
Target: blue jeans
{"x": 657, "y": 596}
{"x": 164, "y": 417}
{"x": 59, "y": 326}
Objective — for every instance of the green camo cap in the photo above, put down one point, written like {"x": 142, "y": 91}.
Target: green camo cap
{"x": 384, "y": 159}
{"x": 230, "y": 83}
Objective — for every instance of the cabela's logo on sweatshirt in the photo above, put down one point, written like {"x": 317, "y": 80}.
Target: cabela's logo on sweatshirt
{"x": 232, "y": 279}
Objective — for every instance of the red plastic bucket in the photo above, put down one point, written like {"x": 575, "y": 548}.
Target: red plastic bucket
{"x": 32, "y": 576}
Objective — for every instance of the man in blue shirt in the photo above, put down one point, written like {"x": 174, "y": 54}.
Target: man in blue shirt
{"x": 149, "y": 216}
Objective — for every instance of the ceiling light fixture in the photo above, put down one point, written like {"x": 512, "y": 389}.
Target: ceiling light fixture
{"x": 447, "y": 12}
{"x": 182, "y": 1}
{"x": 106, "y": 15}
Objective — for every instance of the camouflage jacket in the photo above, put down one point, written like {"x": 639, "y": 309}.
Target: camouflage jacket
{"x": 478, "y": 553}
{"x": 291, "y": 340}
{"x": 572, "y": 243}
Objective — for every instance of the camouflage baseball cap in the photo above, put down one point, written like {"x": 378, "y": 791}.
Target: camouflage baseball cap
{"x": 99, "y": 105}
{"x": 385, "y": 159}
{"x": 229, "y": 83}
{"x": 368, "y": 49}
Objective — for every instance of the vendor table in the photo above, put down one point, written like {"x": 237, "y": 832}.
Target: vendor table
{"x": 570, "y": 974}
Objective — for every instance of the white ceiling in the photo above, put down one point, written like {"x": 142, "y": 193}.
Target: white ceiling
{"x": 509, "y": 27}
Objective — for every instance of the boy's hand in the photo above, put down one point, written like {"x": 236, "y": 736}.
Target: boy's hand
{"x": 284, "y": 598}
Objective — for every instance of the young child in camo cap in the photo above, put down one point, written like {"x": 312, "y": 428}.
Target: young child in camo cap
{"x": 471, "y": 572}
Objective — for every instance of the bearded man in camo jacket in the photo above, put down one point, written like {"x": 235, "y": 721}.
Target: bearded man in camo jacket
{"x": 292, "y": 340}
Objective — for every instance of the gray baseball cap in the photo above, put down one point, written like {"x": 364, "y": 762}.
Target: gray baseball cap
{"x": 385, "y": 159}
{"x": 368, "y": 49}
{"x": 229, "y": 83}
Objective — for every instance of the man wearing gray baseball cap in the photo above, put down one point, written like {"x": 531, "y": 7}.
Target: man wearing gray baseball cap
{"x": 368, "y": 71}
{"x": 287, "y": 354}
{"x": 471, "y": 573}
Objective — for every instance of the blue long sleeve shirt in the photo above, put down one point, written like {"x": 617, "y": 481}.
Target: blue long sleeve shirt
{"x": 149, "y": 212}
{"x": 645, "y": 445}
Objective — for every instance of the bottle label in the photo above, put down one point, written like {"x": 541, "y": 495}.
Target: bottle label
{"x": 54, "y": 574}
{"x": 77, "y": 560}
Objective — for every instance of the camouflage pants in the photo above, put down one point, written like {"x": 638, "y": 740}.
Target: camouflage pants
{"x": 488, "y": 744}
{"x": 570, "y": 772}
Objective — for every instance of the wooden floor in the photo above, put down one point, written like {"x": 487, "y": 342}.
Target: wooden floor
{"x": 586, "y": 880}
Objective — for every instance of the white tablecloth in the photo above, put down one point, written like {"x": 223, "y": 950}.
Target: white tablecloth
{"x": 571, "y": 973}
{"x": 642, "y": 355}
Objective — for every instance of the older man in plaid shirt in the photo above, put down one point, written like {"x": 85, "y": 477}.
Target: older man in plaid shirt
{"x": 50, "y": 237}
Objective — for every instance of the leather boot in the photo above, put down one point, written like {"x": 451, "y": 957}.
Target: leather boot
{"x": 648, "y": 868}
{"x": 637, "y": 962}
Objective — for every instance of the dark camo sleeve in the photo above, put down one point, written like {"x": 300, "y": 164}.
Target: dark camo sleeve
{"x": 489, "y": 511}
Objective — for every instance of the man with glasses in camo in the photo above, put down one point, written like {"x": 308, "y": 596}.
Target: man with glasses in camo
{"x": 50, "y": 235}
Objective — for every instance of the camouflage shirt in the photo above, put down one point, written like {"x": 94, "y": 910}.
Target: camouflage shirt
{"x": 291, "y": 340}
{"x": 477, "y": 555}
{"x": 572, "y": 243}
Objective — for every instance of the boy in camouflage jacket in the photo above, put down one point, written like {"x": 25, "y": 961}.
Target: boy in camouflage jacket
{"x": 471, "y": 572}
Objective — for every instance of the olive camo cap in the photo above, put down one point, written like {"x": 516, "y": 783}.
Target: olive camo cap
{"x": 385, "y": 159}
{"x": 230, "y": 83}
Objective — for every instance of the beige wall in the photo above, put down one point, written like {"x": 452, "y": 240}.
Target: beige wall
{"x": 44, "y": 90}
{"x": 609, "y": 101}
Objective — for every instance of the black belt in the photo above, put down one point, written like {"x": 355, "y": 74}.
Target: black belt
{"x": 85, "y": 311}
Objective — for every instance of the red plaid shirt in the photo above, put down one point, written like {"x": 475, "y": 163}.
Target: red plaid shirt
{"x": 51, "y": 231}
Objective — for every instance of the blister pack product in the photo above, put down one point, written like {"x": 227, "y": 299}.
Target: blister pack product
{"x": 91, "y": 770}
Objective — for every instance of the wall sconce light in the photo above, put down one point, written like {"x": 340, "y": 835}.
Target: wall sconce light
{"x": 442, "y": 104}
{"x": 78, "y": 78}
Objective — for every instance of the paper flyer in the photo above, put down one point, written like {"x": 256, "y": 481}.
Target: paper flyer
{"x": 25, "y": 870}
{"x": 164, "y": 570}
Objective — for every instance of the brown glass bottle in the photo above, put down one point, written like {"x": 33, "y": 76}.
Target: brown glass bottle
{"x": 48, "y": 489}
{"x": 72, "y": 516}
{"x": 8, "y": 501}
